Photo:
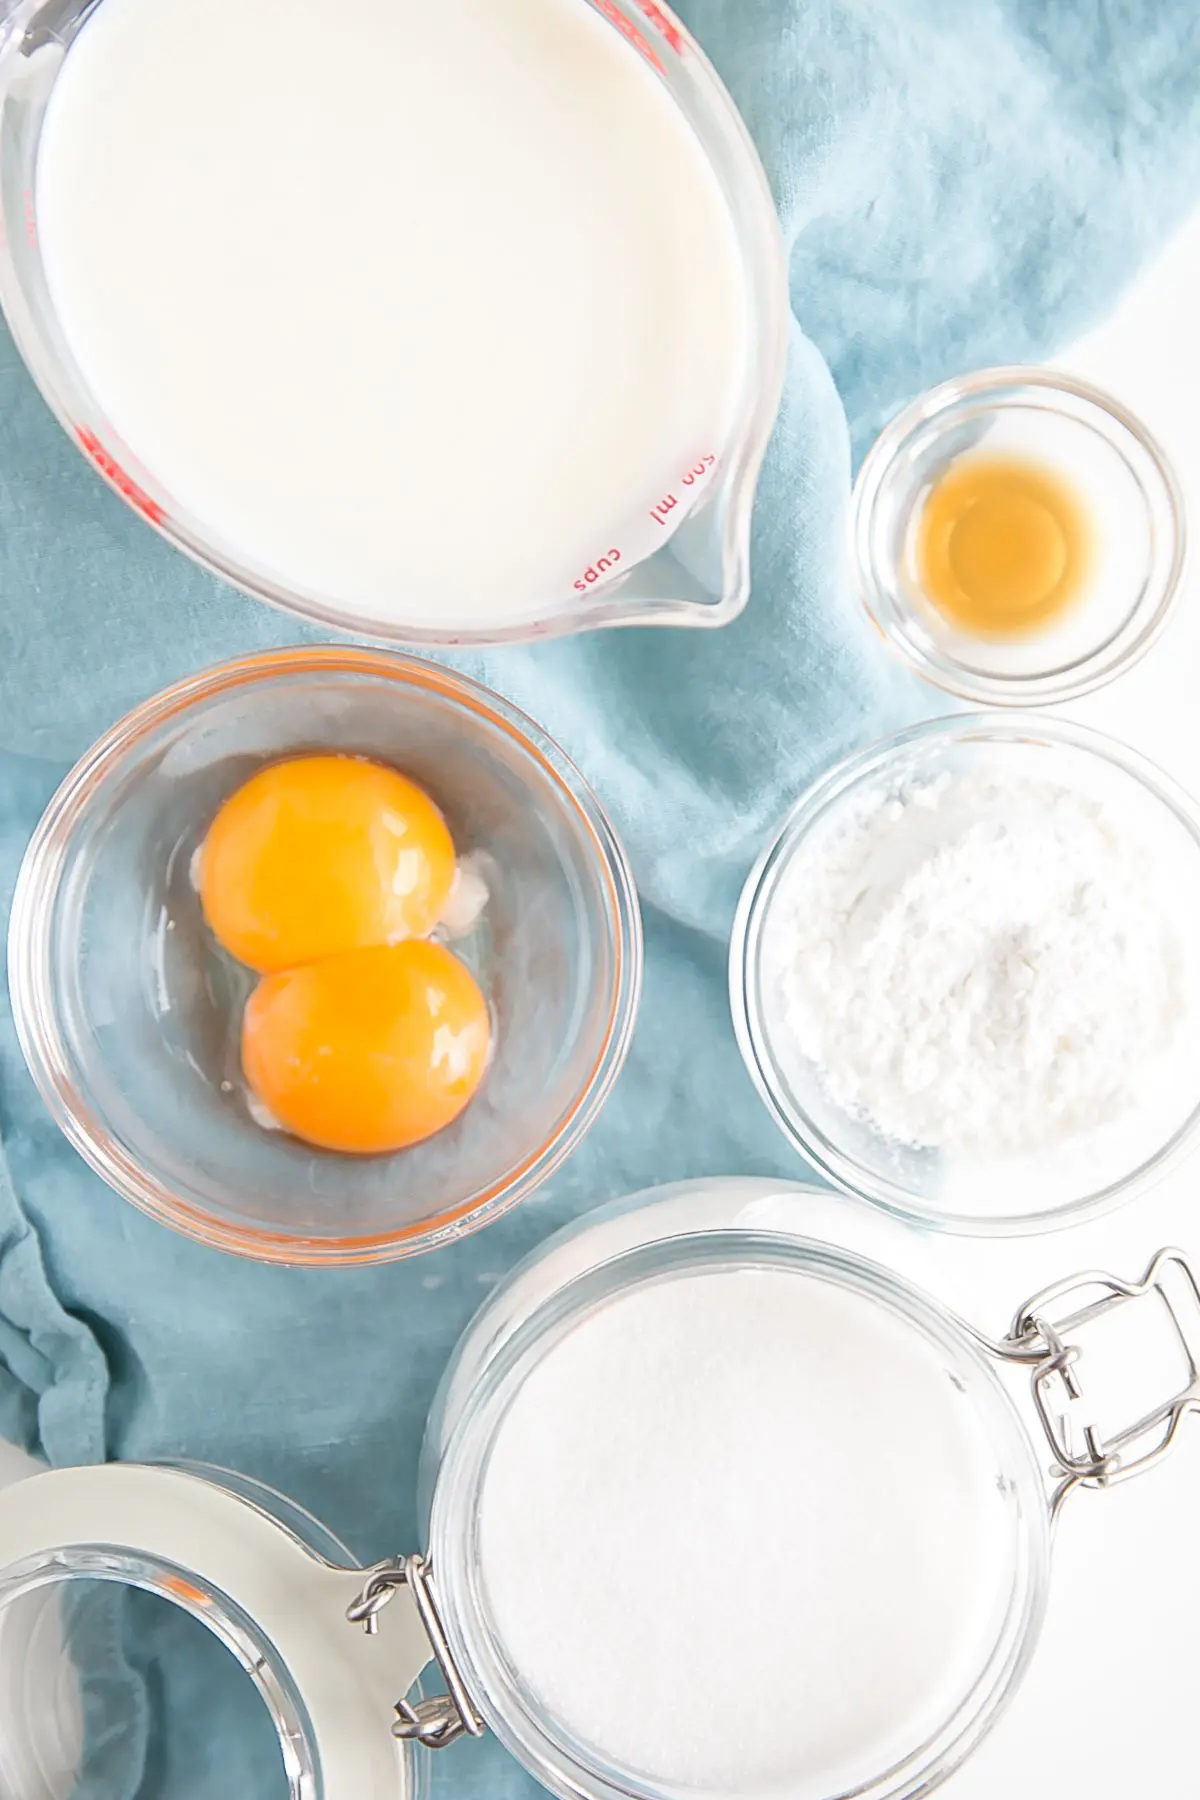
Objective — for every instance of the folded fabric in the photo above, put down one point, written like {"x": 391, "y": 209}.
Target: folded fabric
{"x": 959, "y": 182}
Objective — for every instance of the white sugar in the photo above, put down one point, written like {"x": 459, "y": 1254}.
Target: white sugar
{"x": 741, "y": 1531}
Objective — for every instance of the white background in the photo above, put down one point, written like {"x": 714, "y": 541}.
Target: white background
{"x": 1108, "y": 1709}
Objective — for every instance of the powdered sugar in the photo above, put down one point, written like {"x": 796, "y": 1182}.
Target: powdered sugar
{"x": 985, "y": 963}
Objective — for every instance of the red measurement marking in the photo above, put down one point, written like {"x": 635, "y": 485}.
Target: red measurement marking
{"x": 629, "y": 30}
{"x": 30, "y": 221}
{"x": 660, "y": 21}
{"x": 688, "y": 479}
{"x": 124, "y": 484}
{"x": 600, "y": 567}
{"x": 698, "y": 471}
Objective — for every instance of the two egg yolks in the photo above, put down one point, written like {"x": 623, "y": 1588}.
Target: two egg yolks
{"x": 324, "y": 874}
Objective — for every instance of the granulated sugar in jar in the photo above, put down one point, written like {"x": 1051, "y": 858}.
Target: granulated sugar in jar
{"x": 766, "y": 1500}
{"x": 740, "y": 1514}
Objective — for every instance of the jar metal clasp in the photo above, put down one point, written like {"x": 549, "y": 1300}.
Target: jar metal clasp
{"x": 442, "y": 1718}
{"x": 1044, "y": 1338}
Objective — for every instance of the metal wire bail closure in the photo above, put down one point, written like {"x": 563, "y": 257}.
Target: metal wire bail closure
{"x": 1042, "y": 1338}
{"x": 443, "y": 1718}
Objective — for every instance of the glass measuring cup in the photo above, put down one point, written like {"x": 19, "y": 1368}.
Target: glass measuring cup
{"x": 292, "y": 1607}
{"x": 698, "y": 574}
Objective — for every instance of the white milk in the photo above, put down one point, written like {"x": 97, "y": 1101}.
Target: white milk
{"x": 419, "y": 308}
{"x": 741, "y": 1532}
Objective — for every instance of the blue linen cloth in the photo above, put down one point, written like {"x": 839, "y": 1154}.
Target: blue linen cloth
{"x": 959, "y": 182}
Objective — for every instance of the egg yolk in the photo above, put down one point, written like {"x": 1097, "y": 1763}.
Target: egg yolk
{"x": 322, "y": 854}
{"x": 368, "y": 1051}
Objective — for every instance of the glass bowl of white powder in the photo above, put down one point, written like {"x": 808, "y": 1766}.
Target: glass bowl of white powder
{"x": 965, "y": 974}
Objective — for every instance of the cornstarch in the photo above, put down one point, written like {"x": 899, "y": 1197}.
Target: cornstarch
{"x": 984, "y": 964}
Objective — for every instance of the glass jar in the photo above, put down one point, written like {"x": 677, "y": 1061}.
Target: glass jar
{"x": 292, "y": 1609}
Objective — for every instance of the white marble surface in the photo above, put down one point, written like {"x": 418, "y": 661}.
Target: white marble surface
{"x": 1106, "y": 1711}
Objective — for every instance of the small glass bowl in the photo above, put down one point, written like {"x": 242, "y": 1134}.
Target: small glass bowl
{"x": 1010, "y": 1196}
{"x": 1128, "y": 491}
{"x": 128, "y": 1012}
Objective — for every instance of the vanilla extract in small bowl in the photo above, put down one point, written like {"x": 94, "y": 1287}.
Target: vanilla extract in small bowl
{"x": 1004, "y": 545}
{"x": 1018, "y": 536}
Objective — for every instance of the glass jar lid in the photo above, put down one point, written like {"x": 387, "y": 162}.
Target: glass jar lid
{"x": 262, "y": 1577}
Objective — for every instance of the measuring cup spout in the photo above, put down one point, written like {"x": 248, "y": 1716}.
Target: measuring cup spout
{"x": 685, "y": 560}
{"x": 696, "y": 571}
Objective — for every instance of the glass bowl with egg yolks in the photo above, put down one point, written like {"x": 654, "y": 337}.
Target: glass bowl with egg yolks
{"x": 129, "y": 1006}
{"x": 1018, "y": 537}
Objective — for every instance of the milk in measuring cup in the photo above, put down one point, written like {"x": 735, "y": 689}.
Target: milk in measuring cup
{"x": 423, "y": 309}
